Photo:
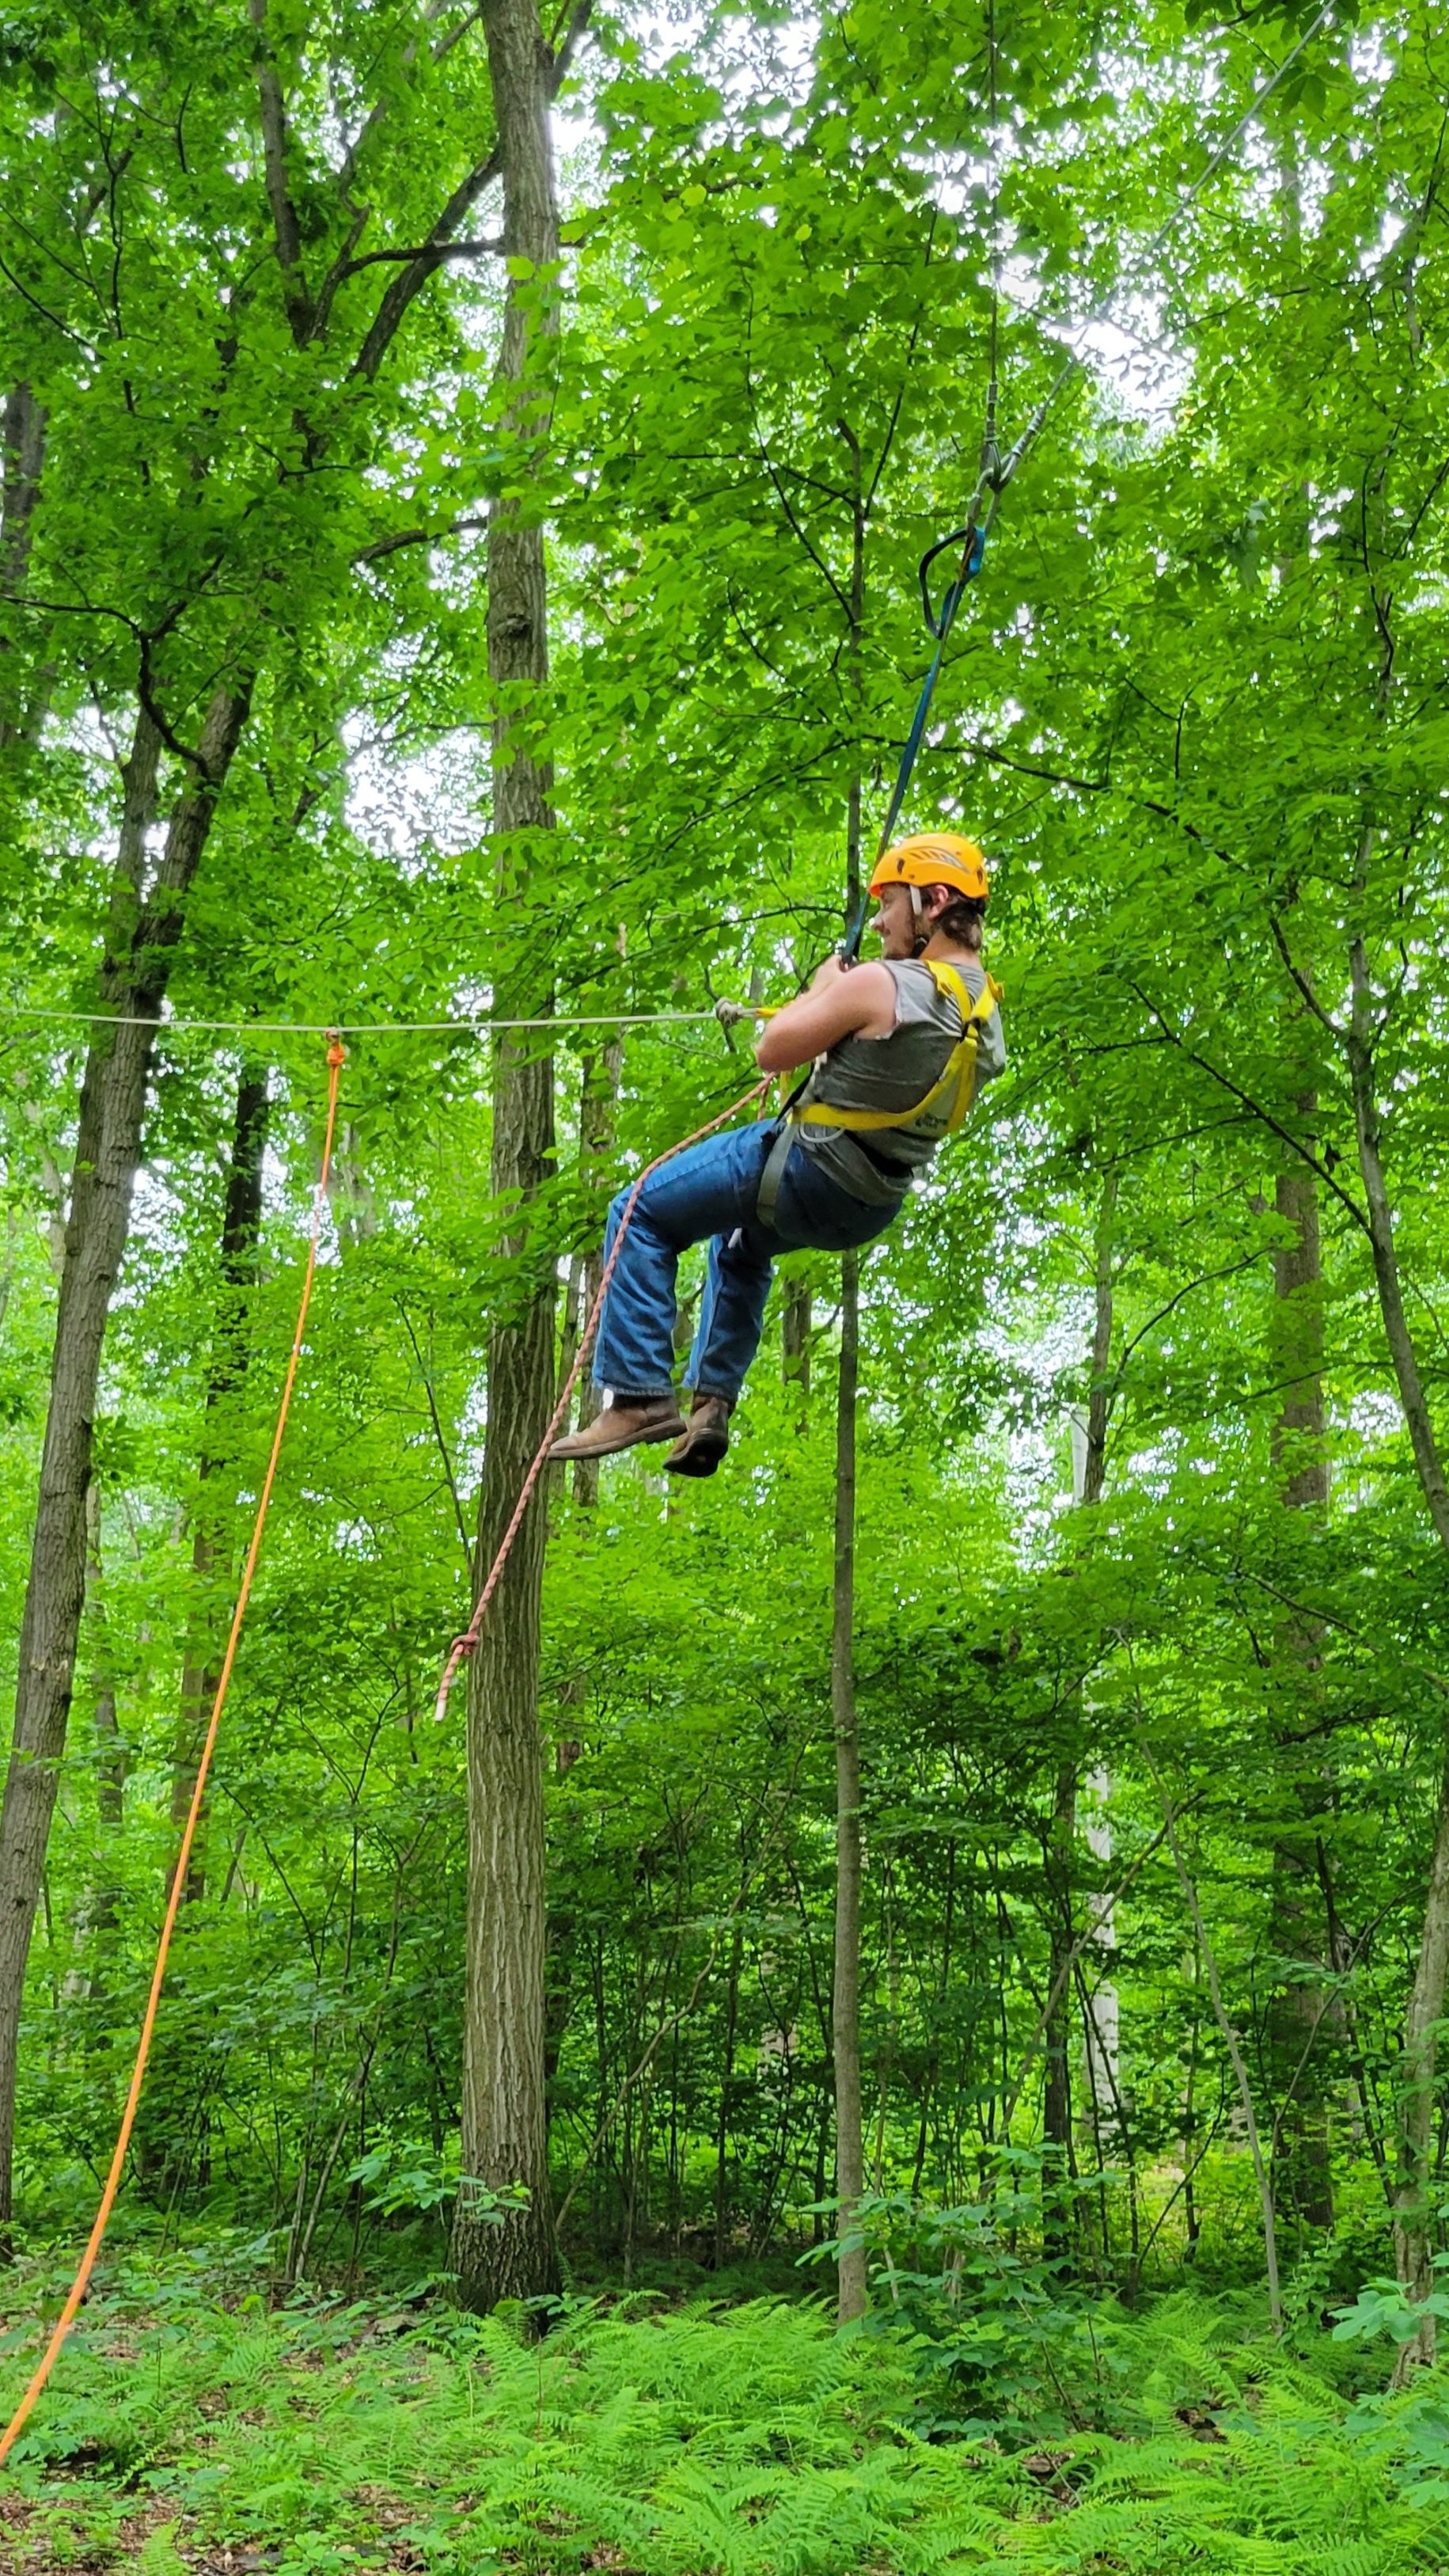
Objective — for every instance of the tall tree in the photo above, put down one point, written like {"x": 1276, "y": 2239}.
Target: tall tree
{"x": 1089, "y": 1469}
{"x": 239, "y": 1252}
{"x": 241, "y": 549}
{"x": 849, "y": 1855}
{"x": 505, "y": 2125}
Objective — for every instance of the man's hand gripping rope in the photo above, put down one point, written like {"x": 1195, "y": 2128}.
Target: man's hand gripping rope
{"x": 465, "y": 1644}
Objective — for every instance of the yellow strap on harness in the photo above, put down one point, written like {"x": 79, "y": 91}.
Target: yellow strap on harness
{"x": 957, "y": 1083}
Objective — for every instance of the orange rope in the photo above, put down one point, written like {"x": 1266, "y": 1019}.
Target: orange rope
{"x": 336, "y": 1057}
{"x": 465, "y": 1644}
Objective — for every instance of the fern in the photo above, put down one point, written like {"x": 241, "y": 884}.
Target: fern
{"x": 740, "y": 2442}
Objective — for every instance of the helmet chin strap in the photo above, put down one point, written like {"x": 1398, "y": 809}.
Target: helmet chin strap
{"x": 922, "y": 937}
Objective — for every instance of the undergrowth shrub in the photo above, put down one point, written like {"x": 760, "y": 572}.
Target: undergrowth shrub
{"x": 752, "y": 2441}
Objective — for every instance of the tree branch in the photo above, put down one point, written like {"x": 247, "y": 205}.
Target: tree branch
{"x": 415, "y": 537}
{"x": 432, "y": 253}
{"x": 388, "y": 317}
{"x": 888, "y": 442}
{"x": 427, "y": 250}
{"x": 1302, "y": 981}
{"x": 375, "y": 114}
{"x": 1380, "y": 1230}
{"x": 781, "y": 495}
{"x": 1255, "y": 1107}
{"x": 579, "y": 18}
{"x": 285, "y": 229}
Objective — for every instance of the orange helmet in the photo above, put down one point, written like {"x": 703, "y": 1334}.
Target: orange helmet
{"x": 933, "y": 858}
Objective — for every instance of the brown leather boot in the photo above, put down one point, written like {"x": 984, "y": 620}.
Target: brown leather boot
{"x": 706, "y": 1439}
{"x": 622, "y": 1426}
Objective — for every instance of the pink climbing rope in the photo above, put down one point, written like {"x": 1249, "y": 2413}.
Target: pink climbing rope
{"x": 465, "y": 1644}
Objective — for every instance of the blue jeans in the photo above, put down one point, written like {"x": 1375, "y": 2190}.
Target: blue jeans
{"x": 711, "y": 1191}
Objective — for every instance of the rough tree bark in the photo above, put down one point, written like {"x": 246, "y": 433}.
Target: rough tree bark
{"x": 240, "y": 1235}
{"x": 96, "y": 1914}
{"x": 141, "y": 936}
{"x": 22, "y": 456}
{"x": 504, "y": 2124}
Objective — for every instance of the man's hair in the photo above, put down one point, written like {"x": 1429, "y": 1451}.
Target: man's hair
{"x": 962, "y": 920}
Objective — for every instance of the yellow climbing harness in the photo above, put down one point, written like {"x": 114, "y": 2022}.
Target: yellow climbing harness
{"x": 939, "y": 1114}
{"x": 946, "y": 1103}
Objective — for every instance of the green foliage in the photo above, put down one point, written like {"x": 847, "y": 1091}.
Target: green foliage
{"x": 1196, "y": 711}
{"x": 1383, "y": 2308}
{"x": 1006, "y": 2339}
{"x": 703, "y": 2442}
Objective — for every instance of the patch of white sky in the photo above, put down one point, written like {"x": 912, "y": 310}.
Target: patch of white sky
{"x": 160, "y": 1219}
{"x": 1374, "y": 1420}
{"x": 1038, "y": 1454}
{"x": 163, "y": 1206}
{"x": 1140, "y": 370}
{"x": 774, "y": 60}
{"x": 413, "y": 801}
{"x": 472, "y": 1438}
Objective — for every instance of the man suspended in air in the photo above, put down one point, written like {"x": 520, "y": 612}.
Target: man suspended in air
{"x": 898, "y": 1050}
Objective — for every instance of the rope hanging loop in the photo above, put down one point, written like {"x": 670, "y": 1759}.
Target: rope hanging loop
{"x": 336, "y": 1057}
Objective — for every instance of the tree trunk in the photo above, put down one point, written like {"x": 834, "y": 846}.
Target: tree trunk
{"x": 1089, "y": 1467}
{"x": 1296, "y": 1340}
{"x": 845, "y": 1984}
{"x": 795, "y": 1329}
{"x": 112, "y": 1756}
{"x": 504, "y": 2124}
{"x": 96, "y": 1913}
{"x": 598, "y": 1110}
{"x": 142, "y": 934}
{"x": 1414, "y": 2195}
{"x": 1413, "y": 2239}
{"x": 22, "y": 453}
{"x": 726, "y": 2090}
{"x": 1056, "y": 2103}
{"x": 1302, "y": 2176}
{"x": 845, "y": 1992}
{"x": 240, "y": 1234}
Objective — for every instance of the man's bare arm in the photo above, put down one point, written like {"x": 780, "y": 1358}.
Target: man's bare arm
{"x": 857, "y": 1001}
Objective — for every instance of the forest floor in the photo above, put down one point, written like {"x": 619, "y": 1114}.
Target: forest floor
{"x": 184, "y": 2431}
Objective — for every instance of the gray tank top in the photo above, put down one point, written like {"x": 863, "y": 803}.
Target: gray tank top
{"x": 895, "y": 1072}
